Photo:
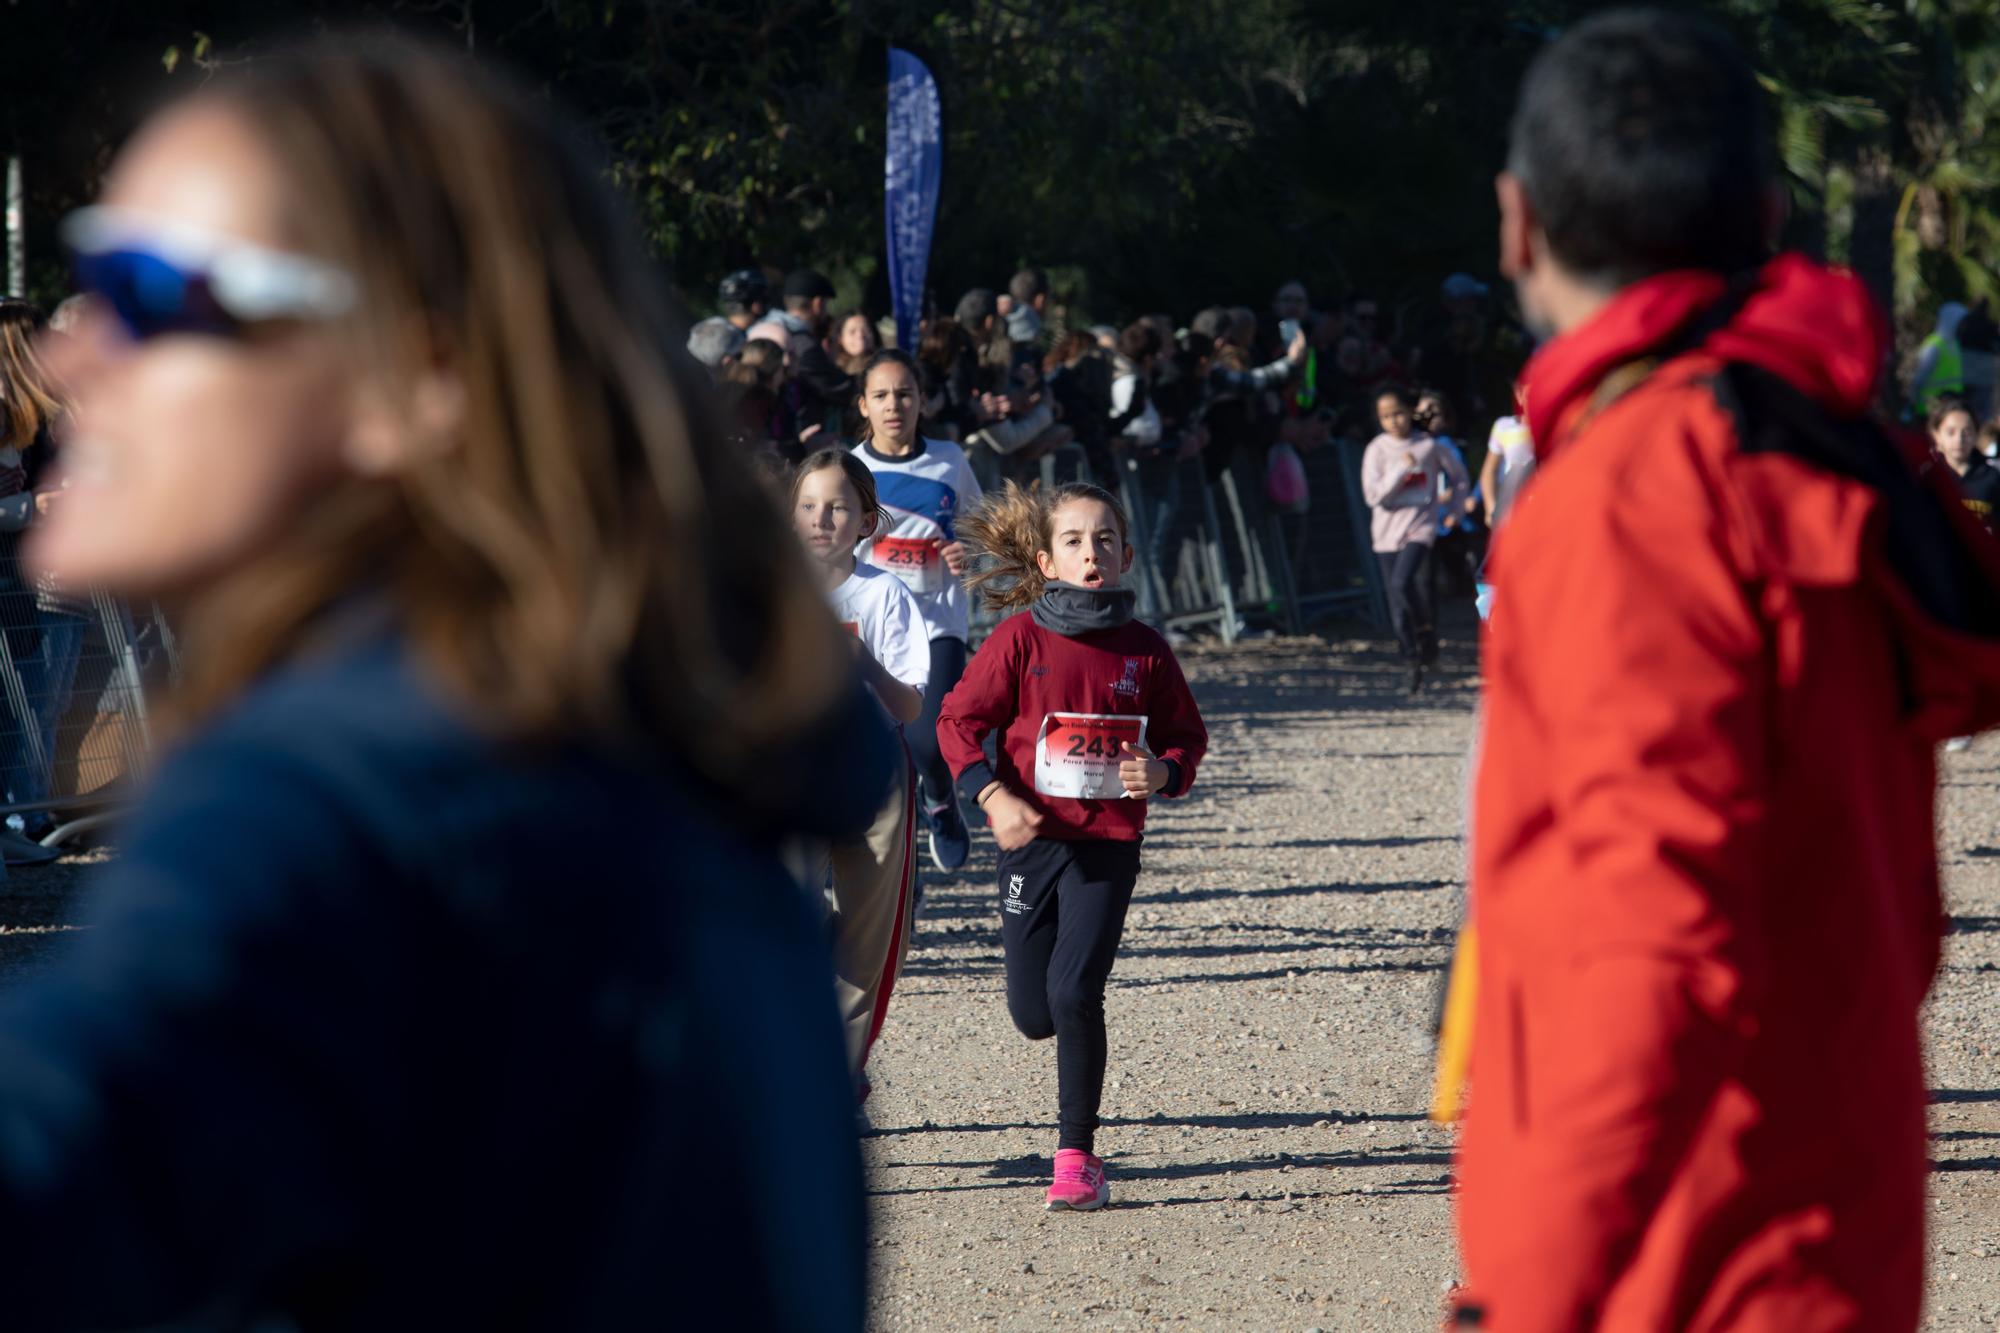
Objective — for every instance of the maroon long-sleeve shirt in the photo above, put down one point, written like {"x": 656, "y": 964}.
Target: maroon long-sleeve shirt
{"x": 1075, "y": 698}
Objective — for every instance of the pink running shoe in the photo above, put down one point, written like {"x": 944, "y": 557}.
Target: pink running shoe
{"x": 1079, "y": 1183}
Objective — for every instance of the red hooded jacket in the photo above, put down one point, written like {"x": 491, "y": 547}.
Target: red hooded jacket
{"x": 1730, "y": 624}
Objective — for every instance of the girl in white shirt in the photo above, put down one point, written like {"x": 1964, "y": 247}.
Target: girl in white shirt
{"x": 834, "y": 508}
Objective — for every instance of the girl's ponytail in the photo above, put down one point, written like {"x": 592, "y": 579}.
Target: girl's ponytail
{"x": 1008, "y": 526}
{"x": 1011, "y": 526}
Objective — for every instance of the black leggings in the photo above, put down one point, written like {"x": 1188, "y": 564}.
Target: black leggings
{"x": 934, "y": 786}
{"x": 1406, "y": 578}
{"x": 1062, "y": 910}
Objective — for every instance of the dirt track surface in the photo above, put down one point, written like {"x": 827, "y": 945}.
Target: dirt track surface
{"x": 1271, "y": 1167}
{"x": 1270, "y": 1162}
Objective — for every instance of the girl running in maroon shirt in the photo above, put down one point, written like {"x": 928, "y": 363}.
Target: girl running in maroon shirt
{"x": 1094, "y": 717}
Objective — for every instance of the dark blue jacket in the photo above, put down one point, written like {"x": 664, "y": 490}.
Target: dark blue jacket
{"x": 378, "y": 1027}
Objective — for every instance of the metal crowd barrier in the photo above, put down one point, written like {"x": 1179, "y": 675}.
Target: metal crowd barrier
{"x": 75, "y": 674}
{"x": 1213, "y": 555}
{"x": 1332, "y": 556}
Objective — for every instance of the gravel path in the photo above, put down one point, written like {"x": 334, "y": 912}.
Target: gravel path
{"x": 1271, "y": 1166}
{"x": 1264, "y": 1132}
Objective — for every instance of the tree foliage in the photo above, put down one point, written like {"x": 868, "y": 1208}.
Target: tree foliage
{"x": 1156, "y": 157}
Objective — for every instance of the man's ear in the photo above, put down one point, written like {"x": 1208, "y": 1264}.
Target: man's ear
{"x": 1520, "y": 230}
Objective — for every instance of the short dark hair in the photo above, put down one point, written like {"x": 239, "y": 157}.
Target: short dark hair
{"x": 804, "y": 284}
{"x": 1641, "y": 139}
{"x": 1026, "y": 285}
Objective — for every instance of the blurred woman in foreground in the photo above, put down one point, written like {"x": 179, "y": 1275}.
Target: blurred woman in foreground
{"x": 445, "y": 969}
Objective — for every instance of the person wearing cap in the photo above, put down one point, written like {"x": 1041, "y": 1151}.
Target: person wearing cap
{"x": 806, "y": 293}
{"x": 715, "y": 343}
{"x": 825, "y": 389}
{"x": 743, "y": 297}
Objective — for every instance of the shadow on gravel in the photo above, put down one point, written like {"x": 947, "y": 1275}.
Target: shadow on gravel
{"x": 1009, "y": 1172}
{"x": 928, "y": 967}
{"x": 1247, "y": 1120}
{"x": 1974, "y": 925}
{"x": 1354, "y": 1157}
{"x": 1308, "y": 946}
{"x": 925, "y": 966}
{"x": 1239, "y": 787}
{"x": 956, "y": 909}
{"x": 1965, "y": 1094}
{"x": 1273, "y": 974}
{"x": 1362, "y": 842}
{"x": 1969, "y": 1164}
{"x": 1291, "y": 891}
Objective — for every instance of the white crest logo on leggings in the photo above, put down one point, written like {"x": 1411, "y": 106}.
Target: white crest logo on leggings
{"x": 1014, "y": 906}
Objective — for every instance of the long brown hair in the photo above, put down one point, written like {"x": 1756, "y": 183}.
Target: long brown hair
{"x": 1011, "y": 526}
{"x": 586, "y": 555}
{"x": 26, "y": 403}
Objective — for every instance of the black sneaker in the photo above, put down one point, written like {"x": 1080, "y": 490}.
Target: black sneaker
{"x": 951, "y": 843}
{"x": 1416, "y": 678}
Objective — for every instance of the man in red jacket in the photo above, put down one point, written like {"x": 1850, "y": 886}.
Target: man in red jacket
{"x": 1730, "y": 625}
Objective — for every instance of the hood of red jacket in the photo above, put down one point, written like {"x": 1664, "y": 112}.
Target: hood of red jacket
{"x": 1820, "y": 331}
{"x": 1816, "y": 327}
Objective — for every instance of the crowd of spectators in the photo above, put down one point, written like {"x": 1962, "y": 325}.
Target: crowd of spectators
{"x": 1014, "y": 370}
